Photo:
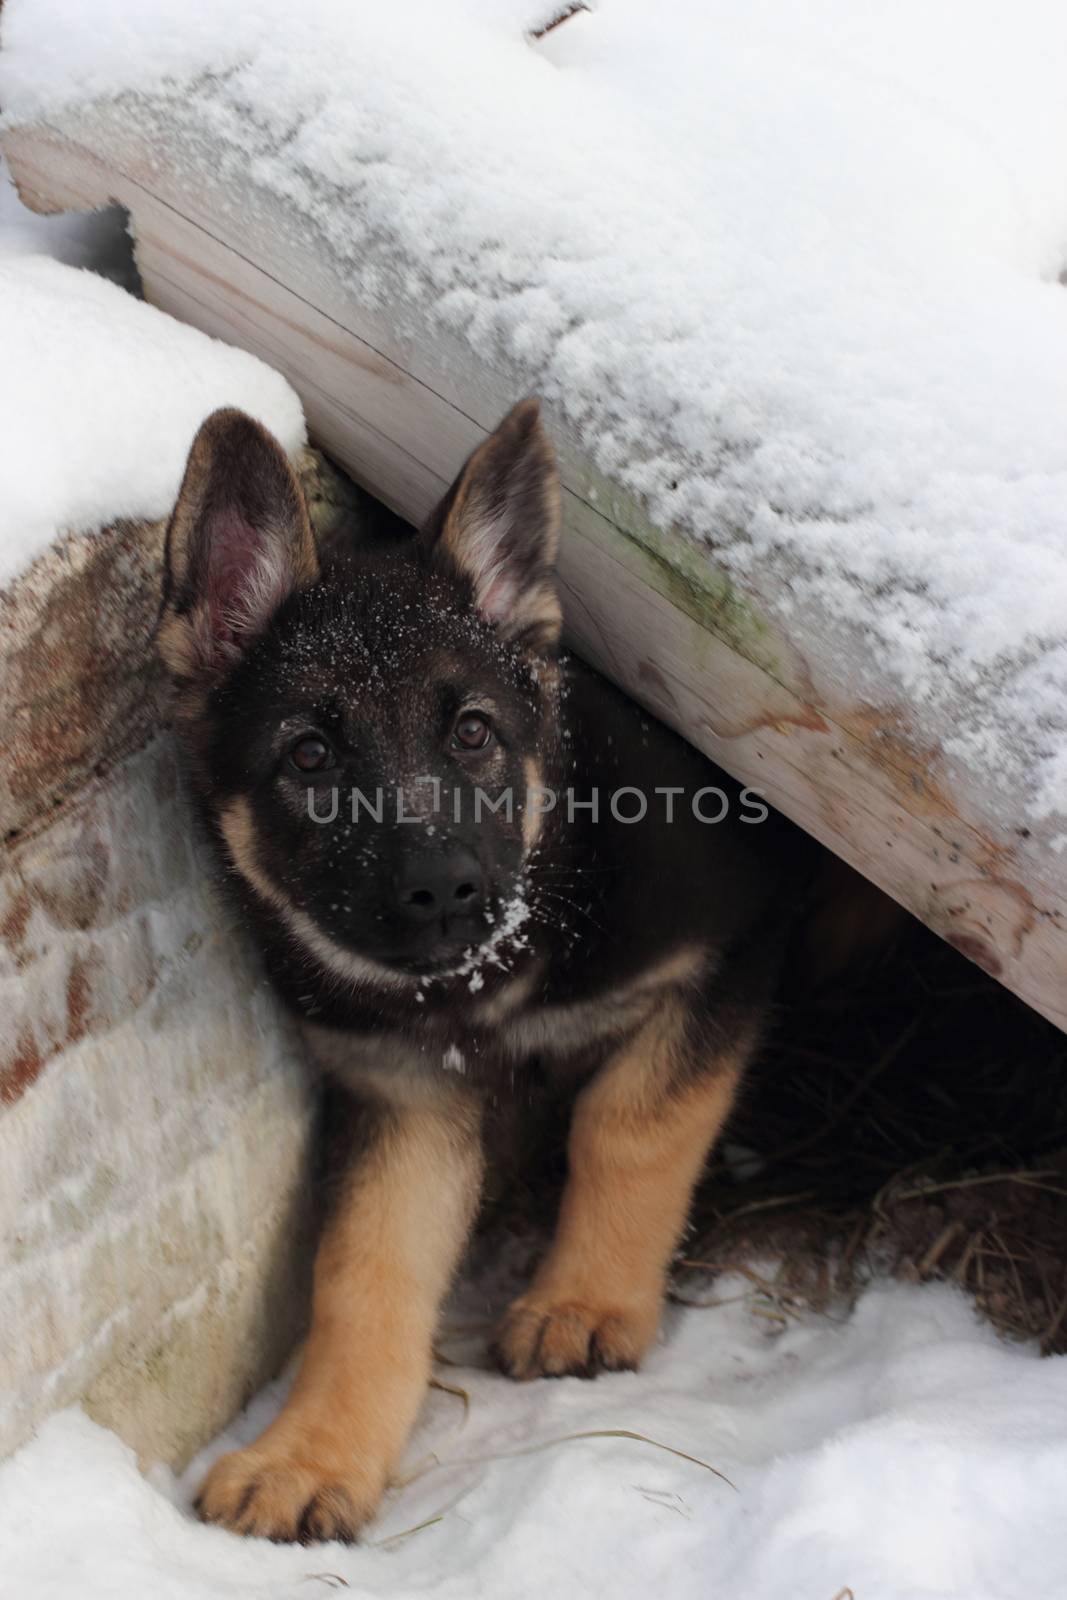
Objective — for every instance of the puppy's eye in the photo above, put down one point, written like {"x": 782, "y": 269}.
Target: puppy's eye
{"x": 310, "y": 754}
{"x": 472, "y": 732}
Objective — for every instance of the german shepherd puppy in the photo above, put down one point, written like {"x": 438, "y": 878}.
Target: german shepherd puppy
{"x": 352, "y": 732}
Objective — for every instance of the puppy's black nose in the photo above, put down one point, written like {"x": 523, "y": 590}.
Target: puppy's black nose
{"x": 440, "y": 886}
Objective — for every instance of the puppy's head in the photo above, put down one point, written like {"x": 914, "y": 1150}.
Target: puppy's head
{"x": 364, "y": 736}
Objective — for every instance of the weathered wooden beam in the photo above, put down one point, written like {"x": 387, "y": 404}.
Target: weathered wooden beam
{"x": 401, "y": 406}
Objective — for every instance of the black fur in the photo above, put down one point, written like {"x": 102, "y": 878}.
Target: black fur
{"x": 378, "y": 656}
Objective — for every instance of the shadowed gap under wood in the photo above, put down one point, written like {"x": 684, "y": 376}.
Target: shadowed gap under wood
{"x": 912, "y": 1120}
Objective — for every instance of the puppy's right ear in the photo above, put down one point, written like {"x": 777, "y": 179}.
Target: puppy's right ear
{"x": 497, "y": 528}
{"x": 239, "y": 543}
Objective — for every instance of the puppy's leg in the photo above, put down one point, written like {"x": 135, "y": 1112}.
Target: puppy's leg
{"x": 390, "y": 1244}
{"x": 639, "y": 1136}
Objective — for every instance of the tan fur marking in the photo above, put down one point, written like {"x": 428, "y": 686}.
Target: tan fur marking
{"x": 635, "y": 1152}
{"x": 510, "y": 996}
{"x": 238, "y": 829}
{"x": 384, "y": 1263}
{"x": 563, "y": 1030}
{"x": 533, "y": 817}
{"x": 176, "y": 643}
{"x": 379, "y": 1064}
{"x": 543, "y": 610}
{"x": 510, "y": 480}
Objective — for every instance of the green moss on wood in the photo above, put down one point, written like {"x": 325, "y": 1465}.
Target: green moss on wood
{"x": 683, "y": 573}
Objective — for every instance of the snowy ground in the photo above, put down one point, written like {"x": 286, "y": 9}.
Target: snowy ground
{"x": 904, "y": 1454}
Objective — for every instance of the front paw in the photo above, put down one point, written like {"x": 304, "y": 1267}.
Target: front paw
{"x": 553, "y": 1338}
{"x": 273, "y": 1493}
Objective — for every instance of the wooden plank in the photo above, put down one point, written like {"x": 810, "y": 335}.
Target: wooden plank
{"x": 400, "y": 412}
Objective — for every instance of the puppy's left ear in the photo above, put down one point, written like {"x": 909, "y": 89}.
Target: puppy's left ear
{"x": 238, "y": 545}
{"x": 498, "y": 527}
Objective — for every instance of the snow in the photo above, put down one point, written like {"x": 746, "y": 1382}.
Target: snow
{"x": 789, "y": 272}
{"x": 100, "y": 394}
{"x": 901, "y": 1455}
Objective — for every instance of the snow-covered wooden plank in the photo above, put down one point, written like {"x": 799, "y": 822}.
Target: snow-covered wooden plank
{"x": 399, "y": 402}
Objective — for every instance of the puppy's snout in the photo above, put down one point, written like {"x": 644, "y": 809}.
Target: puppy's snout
{"x": 440, "y": 887}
